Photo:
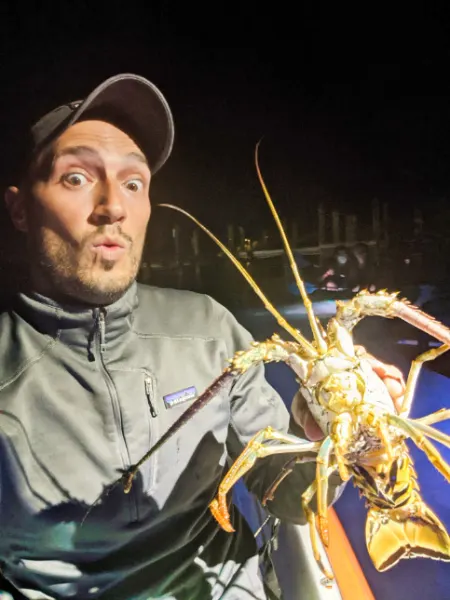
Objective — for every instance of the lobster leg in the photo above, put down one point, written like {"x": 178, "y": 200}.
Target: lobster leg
{"x": 287, "y": 470}
{"x": 387, "y": 305}
{"x": 417, "y": 435}
{"x": 307, "y": 496}
{"x": 413, "y": 375}
{"x": 323, "y": 464}
{"x": 440, "y": 415}
{"x": 255, "y": 449}
{"x": 272, "y": 350}
{"x": 430, "y": 432}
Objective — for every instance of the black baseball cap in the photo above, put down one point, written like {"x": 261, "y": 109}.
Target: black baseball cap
{"x": 128, "y": 101}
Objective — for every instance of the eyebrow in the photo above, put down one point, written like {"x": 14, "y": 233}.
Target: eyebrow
{"x": 83, "y": 150}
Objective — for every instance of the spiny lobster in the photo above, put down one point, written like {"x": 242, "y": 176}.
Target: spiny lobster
{"x": 364, "y": 433}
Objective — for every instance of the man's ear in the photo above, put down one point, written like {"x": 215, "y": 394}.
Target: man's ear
{"x": 15, "y": 203}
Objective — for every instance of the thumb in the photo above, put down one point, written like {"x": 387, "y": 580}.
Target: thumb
{"x": 304, "y": 418}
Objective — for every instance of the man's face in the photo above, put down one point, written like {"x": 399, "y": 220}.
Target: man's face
{"x": 86, "y": 217}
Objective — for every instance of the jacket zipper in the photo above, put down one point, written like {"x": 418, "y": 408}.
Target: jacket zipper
{"x": 124, "y": 453}
{"x": 148, "y": 393}
{"x": 149, "y": 386}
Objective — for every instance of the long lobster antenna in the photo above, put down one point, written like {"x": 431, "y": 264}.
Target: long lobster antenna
{"x": 298, "y": 337}
{"x": 313, "y": 321}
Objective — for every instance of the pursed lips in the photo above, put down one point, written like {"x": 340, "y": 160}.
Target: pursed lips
{"x": 109, "y": 247}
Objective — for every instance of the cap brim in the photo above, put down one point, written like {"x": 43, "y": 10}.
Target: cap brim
{"x": 141, "y": 110}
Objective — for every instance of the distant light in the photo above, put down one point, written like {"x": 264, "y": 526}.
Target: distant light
{"x": 416, "y": 343}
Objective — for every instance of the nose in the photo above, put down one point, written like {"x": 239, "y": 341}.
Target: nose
{"x": 109, "y": 206}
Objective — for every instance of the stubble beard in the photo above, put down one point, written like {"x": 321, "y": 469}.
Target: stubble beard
{"x": 70, "y": 274}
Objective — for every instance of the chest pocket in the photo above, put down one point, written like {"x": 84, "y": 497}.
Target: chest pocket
{"x": 190, "y": 462}
{"x": 174, "y": 372}
{"x": 135, "y": 423}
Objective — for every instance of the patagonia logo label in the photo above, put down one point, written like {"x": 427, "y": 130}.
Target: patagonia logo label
{"x": 176, "y": 398}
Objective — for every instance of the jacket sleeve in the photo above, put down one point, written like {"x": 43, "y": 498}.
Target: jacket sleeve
{"x": 254, "y": 405}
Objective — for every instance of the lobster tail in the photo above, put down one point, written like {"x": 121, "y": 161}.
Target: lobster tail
{"x": 408, "y": 532}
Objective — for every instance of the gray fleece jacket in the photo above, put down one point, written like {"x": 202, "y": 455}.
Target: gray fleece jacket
{"x": 84, "y": 393}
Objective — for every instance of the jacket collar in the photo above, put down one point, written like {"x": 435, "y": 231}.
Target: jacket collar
{"x": 80, "y": 327}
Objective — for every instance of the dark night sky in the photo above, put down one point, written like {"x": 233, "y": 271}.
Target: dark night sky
{"x": 351, "y": 105}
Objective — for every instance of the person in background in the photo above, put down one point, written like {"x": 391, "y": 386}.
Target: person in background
{"x": 363, "y": 272}
{"x": 340, "y": 271}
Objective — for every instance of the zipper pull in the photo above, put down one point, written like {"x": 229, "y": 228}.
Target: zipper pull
{"x": 148, "y": 393}
{"x": 102, "y": 330}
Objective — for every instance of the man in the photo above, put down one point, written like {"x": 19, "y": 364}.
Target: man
{"x": 340, "y": 271}
{"x": 95, "y": 368}
{"x": 364, "y": 275}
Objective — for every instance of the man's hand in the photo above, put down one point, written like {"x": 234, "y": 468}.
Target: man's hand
{"x": 391, "y": 376}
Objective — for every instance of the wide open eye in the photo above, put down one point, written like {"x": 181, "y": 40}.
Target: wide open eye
{"x": 74, "y": 179}
{"x": 135, "y": 185}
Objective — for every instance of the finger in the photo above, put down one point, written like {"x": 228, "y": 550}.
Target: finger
{"x": 360, "y": 350}
{"x": 393, "y": 372}
{"x": 390, "y": 374}
{"x": 396, "y": 391}
{"x": 312, "y": 429}
{"x": 299, "y": 408}
{"x": 384, "y": 370}
{"x": 304, "y": 418}
{"x": 376, "y": 364}
{"x": 395, "y": 388}
{"x": 392, "y": 378}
